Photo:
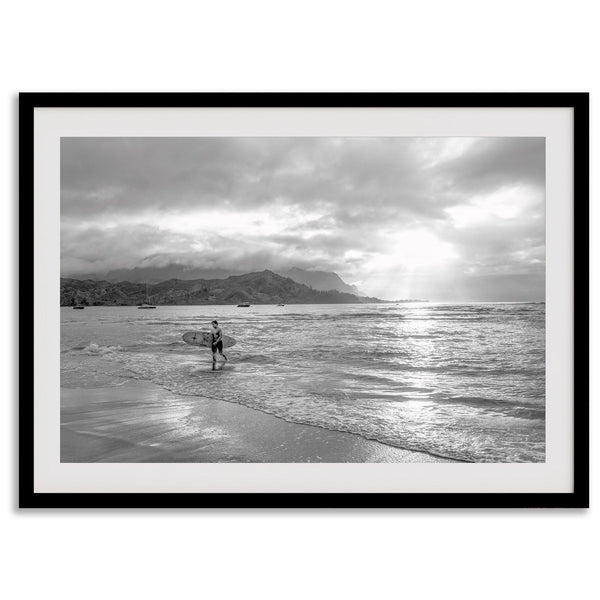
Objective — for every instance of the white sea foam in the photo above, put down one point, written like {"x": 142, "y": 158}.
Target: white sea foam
{"x": 97, "y": 350}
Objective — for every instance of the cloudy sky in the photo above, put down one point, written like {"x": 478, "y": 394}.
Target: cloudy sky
{"x": 436, "y": 218}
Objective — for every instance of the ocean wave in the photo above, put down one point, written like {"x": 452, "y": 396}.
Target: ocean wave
{"x": 531, "y": 408}
{"x": 93, "y": 349}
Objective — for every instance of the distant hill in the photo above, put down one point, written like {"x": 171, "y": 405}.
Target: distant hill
{"x": 264, "y": 287}
{"x": 321, "y": 280}
{"x": 318, "y": 280}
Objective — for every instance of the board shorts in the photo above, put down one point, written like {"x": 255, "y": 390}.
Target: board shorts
{"x": 218, "y": 346}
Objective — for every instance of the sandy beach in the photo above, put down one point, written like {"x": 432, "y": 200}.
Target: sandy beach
{"x": 142, "y": 422}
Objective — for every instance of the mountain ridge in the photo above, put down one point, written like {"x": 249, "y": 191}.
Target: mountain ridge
{"x": 260, "y": 287}
{"x": 318, "y": 280}
{"x": 321, "y": 280}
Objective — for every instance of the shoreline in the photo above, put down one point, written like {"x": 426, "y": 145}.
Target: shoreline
{"x": 138, "y": 421}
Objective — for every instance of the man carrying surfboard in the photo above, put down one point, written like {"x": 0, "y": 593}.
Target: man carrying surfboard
{"x": 217, "y": 340}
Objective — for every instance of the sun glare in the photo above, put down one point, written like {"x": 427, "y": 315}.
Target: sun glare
{"x": 413, "y": 250}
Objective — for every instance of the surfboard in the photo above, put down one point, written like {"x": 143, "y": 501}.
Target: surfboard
{"x": 203, "y": 338}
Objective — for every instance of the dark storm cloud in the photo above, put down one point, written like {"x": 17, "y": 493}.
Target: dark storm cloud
{"x": 491, "y": 163}
{"x": 126, "y": 175}
{"x": 112, "y": 176}
{"x": 339, "y": 204}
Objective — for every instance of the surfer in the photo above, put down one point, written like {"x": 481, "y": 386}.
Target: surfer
{"x": 217, "y": 340}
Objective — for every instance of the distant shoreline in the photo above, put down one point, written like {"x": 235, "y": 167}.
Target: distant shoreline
{"x": 256, "y": 304}
{"x": 450, "y": 302}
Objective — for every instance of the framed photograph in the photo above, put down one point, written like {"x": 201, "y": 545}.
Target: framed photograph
{"x": 304, "y": 300}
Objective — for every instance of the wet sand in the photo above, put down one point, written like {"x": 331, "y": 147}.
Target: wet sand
{"x": 142, "y": 422}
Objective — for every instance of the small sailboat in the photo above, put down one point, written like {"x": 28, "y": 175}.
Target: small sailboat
{"x": 147, "y": 303}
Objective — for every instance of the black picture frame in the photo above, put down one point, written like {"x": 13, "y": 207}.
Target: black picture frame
{"x": 579, "y": 498}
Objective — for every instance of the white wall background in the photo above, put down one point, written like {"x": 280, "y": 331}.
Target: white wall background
{"x": 265, "y": 46}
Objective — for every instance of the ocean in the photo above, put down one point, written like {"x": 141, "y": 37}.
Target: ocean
{"x": 460, "y": 381}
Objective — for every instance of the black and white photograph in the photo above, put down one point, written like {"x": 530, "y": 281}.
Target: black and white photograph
{"x": 302, "y": 299}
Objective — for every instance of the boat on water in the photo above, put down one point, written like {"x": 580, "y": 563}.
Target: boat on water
{"x": 243, "y": 305}
{"x": 147, "y": 303}
{"x": 78, "y": 307}
{"x": 281, "y": 305}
